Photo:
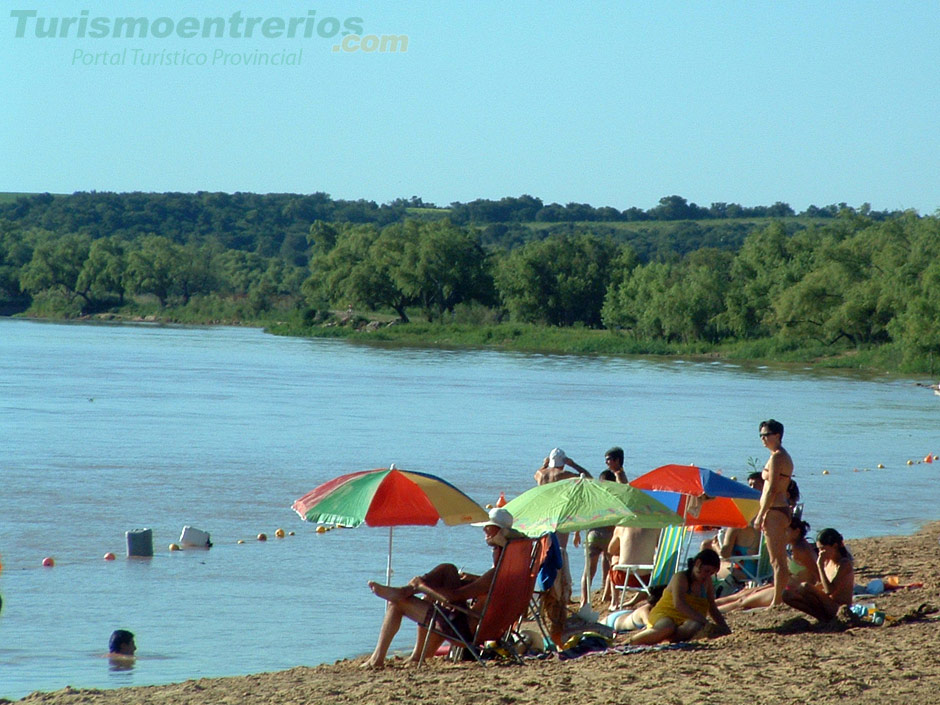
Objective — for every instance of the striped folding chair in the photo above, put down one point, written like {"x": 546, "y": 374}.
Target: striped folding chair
{"x": 672, "y": 542}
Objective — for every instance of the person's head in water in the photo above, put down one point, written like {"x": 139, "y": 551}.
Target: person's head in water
{"x": 122, "y": 643}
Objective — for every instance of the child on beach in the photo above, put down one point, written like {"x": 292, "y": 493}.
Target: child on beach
{"x": 683, "y": 609}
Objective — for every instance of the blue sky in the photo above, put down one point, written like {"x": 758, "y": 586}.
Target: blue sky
{"x": 608, "y": 103}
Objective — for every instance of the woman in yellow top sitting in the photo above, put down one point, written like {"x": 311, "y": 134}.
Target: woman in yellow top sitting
{"x": 686, "y": 603}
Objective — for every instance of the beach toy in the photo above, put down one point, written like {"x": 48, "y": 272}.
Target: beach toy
{"x": 876, "y": 587}
{"x": 139, "y": 542}
{"x": 532, "y": 640}
{"x": 109, "y": 556}
{"x": 194, "y": 538}
{"x": 174, "y": 547}
{"x": 279, "y": 533}
{"x": 262, "y": 537}
{"x": 48, "y": 562}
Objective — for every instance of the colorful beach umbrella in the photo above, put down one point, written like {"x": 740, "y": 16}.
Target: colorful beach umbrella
{"x": 578, "y": 504}
{"x": 388, "y": 497}
{"x": 701, "y": 496}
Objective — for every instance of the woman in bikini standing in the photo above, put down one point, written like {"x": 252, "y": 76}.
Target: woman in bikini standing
{"x": 773, "y": 517}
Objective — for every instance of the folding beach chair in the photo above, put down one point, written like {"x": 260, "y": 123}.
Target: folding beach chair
{"x": 672, "y": 540}
{"x": 756, "y": 566}
{"x": 507, "y": 600}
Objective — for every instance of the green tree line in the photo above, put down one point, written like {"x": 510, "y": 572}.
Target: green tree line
{"x": 850, "y": 281}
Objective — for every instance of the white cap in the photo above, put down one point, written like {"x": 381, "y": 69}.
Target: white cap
{"x": 498, "y": 517}
{"x": 556, "y": 458}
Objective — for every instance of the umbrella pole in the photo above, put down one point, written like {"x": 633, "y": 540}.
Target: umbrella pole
{"x": 388, "y": 567}
{"x": 586, "y": 578}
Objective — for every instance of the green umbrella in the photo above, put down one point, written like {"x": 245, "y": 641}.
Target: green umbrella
{"x": 578, "y": 504}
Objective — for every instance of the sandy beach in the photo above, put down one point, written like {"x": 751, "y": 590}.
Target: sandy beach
{"x": 771, "y": 657}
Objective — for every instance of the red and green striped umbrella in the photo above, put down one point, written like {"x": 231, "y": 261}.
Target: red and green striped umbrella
{"x": 388, "y": 497}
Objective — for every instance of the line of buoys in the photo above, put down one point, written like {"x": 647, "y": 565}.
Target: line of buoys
{"x": 929, "y": 458}
{"x": 280, "y": 533}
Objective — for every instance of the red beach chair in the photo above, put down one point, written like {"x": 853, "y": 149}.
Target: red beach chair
{"x": 506, "y": 602}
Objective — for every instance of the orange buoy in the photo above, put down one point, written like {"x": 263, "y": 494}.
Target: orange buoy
{"x": 174, "y": 547}
{"x": 280, "y": 533}
{"x": 501, "y": 502}
{"x": 48, "y": 562}
{"x": 929, "y": 458}
{"x": 262, "y": 537}
{"x": 109, "y": 556}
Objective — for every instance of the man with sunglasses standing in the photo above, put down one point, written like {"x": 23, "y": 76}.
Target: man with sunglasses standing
{"x": 773, "y": 517}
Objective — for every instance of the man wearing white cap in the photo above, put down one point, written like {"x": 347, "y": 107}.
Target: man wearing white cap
{"x": 445, "y": 582}
{"x": 553, "y": 468}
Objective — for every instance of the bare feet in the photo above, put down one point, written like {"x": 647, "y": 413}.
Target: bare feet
{"x": 392, "y": 594}
{"x": 371, "y": 665}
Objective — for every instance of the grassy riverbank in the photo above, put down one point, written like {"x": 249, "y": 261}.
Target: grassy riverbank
{"x": 583, "y": 341}
{"x": 382, "y": 330}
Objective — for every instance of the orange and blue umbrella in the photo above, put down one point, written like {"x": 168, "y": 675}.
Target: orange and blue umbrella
{"x": 388, "y": 497}
{"x": 701, "y": 496}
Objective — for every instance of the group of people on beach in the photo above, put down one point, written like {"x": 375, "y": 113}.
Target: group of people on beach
{"x": 816, "y": 579}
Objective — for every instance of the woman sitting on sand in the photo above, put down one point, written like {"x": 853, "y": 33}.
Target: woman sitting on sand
{"x": 836, "y": 580}
{"x": 682, "y": 610}
{"x": 445, "y": 582}
{"x": 802, "y": 569}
